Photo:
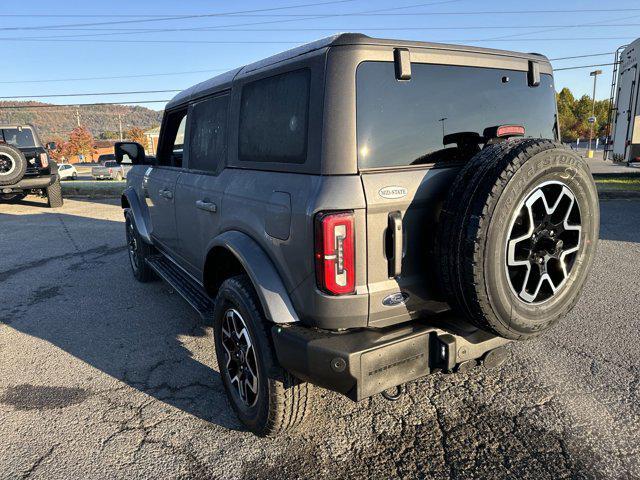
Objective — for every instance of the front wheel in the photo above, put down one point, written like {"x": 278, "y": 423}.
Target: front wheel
{"x": 267, "y": 399}
{"x": 139, "y": 251}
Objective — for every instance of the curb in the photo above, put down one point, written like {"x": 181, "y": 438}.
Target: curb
{"x": 618, "y": 195}
{"x": 89, "y": 189}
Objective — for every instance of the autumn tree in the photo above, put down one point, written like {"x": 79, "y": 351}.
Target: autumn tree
{"x": 573, "y": 116}
{"x": 58, "y": 153}
{"x": 136, "y": 134}
{"x": 81, "y": 142}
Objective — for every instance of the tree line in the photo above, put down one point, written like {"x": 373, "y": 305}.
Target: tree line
{"x": 81, "y": 143}
{"x": 573, "y": 116}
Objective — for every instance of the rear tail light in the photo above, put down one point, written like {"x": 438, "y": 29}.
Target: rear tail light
{"x": 335, "y": 252}
{"x": 44, "y": 160}
{"x": 110, "y": 171}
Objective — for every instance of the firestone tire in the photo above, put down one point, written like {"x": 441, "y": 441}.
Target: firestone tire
{"x": 517, "y": 236}
{"x": 54, "y": 195}
{"x": 277, "y": 402}
{"x": 13, "y": 165}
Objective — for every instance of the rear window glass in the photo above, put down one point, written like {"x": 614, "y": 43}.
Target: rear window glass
{"x": 111, "y": 164}
{"x": 208, "y": 133}
{"x": 21, "y": 138}
{"x": 274, "y": 117}
{"x": 441, "y": 113}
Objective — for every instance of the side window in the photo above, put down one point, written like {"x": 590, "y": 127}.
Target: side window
{"x": 170, "y": 151}
{"x": 208, "y": 132}
{"x": 274, "y": 115}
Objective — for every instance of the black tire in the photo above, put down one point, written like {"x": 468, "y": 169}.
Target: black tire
{"x": 281, "y": 401}
{"x": 54, "y": 195}
{"x": 138, "y": 251}
{"x": 493, "y": 196}
{"x": 13, "y": 165}
{"x": 74, "y": 176}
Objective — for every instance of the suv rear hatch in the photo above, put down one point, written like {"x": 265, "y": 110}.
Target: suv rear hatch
{"x": 26, "y": 141}
{"x": 413, "y": 137}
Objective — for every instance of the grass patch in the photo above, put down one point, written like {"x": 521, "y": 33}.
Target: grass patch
{"x": 618, "y": 183}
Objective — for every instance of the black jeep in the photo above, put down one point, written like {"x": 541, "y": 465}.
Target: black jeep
{"x": 25, "y": 166}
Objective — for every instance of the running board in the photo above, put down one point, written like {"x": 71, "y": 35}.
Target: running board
{"x": 182, "y": 283}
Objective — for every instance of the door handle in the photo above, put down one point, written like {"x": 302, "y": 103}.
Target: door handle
{"x": 168, "y": 194}
{"x": 395, "y": 230}
{"x": 207, "y": 206}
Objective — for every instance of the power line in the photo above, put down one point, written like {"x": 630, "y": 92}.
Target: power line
{"x": 115, "y": 77}
{"x": 181, "y": 17}
{"x": 129, "y": 31}
{"x": 95, "y": 94}
{"x": 583, "y": 56}
{"x": 248, "y": 12}
{"x": 299, "y": 42}
{"x": 300, "y": 17}
{"x": 125, "y": 103}
{"x": 584, "y": 66}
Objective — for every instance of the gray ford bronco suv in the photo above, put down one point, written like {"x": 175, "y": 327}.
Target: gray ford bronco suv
{"x": 357, "y": 213}
{"x": 25, "y": 166}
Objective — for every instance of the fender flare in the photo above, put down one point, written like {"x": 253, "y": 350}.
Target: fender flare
{"x": 131, "y": 201}
{"x": 272, "y": 293}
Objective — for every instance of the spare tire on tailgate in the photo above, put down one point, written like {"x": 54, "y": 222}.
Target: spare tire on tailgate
{"x": 13, "y": 164}
{"x": 517, "y": 236}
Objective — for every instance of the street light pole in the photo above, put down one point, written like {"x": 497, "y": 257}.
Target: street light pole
{"x": 594, "y": 74}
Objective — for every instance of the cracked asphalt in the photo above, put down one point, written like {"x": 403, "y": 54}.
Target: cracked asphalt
{"x": 103, "y": 377}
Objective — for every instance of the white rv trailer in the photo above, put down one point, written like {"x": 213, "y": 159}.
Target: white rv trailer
{"x": 624, "y": 140}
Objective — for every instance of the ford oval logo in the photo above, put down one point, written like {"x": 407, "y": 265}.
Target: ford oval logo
{"x": 395, "y": 299}
{"x": 392, "y": 192}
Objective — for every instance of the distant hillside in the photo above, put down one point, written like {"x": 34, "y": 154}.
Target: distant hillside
{"x": 102, "y": 120}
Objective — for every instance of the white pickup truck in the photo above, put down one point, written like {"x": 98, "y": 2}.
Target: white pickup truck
{"x": 109, "y": 169}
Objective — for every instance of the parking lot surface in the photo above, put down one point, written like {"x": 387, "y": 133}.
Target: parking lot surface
{"x": 104, "y": 377}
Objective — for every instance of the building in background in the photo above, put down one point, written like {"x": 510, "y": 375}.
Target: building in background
{"x": 152, "y": 140}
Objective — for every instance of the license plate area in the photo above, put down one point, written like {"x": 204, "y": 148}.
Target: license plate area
{"x": 393, "y": 365}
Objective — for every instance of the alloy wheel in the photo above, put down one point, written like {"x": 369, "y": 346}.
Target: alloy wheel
{"x": 543, "y": 242}
{"x": 7, "y": 164}
{"x": 241, "y": 364}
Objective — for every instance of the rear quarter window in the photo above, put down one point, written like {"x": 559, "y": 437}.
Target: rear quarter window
{"x": 438, "y": 114}
{"x": 274, "y": 117}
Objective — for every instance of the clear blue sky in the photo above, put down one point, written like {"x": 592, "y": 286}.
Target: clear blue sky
{"x": 88, "y": 55}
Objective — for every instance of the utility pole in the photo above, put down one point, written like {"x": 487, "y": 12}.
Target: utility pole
{"x": 120, "y": 124}
{"x": 592, "y": 119}
{"x": 78, "y": 115}
{"x": 443, "y": 120}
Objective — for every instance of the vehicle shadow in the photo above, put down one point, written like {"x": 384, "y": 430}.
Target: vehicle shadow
{"x": 620, "y": 220}
{"x": 84, "y": 300}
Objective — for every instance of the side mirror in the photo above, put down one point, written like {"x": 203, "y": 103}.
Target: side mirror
{"x": 51, "y": 146}
{"x": 130, "y": 152}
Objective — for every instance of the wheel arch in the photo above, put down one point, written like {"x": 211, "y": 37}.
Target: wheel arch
{"x": 233, "y": 253}
{"x": 130, "y": 201}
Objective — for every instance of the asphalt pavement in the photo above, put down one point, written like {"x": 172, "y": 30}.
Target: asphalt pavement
{"x": 104, "y": 377}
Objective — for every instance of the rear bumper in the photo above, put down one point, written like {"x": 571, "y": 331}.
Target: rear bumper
{"x": 362, "y": 363}
{"x": 30, "y": 183}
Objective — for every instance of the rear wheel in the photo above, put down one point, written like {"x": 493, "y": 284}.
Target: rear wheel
{"x": 517, "y": 236}
{"x": 54, "y": 195}
{"x": 266, "y": 398}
